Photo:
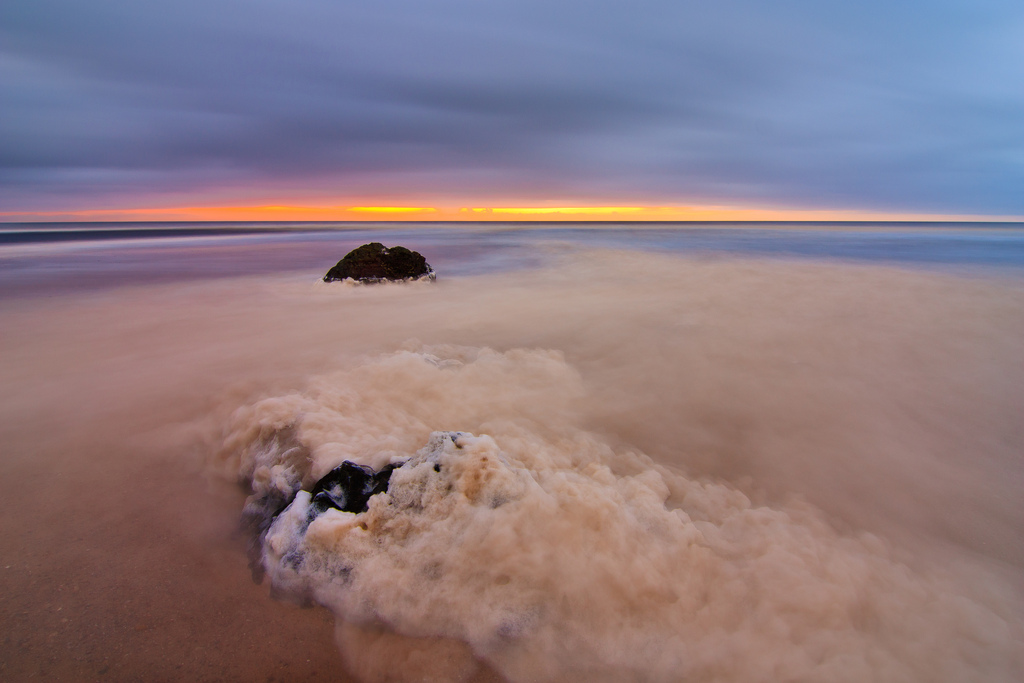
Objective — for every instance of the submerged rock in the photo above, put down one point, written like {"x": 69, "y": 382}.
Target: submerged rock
{"x": 274, "y": 476}
{"x": 348, "y": 487}
{"x": 376, "y": 263}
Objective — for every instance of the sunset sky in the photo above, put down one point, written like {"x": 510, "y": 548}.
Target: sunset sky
{"x": 510, "y": 110}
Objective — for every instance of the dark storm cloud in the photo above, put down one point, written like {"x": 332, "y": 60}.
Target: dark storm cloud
{"x": 912, "y": 105}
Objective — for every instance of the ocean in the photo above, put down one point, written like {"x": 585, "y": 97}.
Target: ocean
{"x": 721, "y": 452}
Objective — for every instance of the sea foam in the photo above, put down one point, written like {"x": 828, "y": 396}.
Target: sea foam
{"x": 512, "y": 542}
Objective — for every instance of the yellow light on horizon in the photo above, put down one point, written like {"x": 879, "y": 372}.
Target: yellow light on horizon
{"x": 588, "y": 210}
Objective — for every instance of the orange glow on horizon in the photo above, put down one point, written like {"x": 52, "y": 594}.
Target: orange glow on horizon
{"x": 393, "y": 209}
{"x": 335, "y": 213}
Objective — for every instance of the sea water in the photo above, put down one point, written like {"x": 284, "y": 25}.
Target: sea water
{"x": 718, "y": 453}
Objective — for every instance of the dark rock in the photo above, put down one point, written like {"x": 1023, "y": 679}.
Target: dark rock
{"x": 376, "y": 263}
{"x": 348, "y": 488}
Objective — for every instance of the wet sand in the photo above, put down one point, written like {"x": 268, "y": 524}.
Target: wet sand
{"x": 121, "y": 560}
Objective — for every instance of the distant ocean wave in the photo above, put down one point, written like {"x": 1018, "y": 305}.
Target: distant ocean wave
{"x": 87, "y": 256}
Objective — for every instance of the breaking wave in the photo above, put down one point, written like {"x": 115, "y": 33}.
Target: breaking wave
{"x": 516, "y": 541}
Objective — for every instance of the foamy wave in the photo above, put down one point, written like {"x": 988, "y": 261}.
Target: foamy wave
{"x": 516, "y": 543}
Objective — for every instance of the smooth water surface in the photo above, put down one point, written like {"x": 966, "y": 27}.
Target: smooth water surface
{"x": 83, "y": 256}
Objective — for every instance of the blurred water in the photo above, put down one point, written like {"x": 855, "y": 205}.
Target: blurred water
{"x": 48, "y": 259}
{"x": 773, "y": 467}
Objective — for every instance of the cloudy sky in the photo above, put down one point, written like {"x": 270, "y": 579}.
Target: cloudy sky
{"x": 908, "y": 106}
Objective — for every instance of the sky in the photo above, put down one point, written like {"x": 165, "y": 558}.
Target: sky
{"x": 438, "y": 108}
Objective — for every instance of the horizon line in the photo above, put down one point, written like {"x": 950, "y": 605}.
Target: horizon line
{"x": 298, "y": 213}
